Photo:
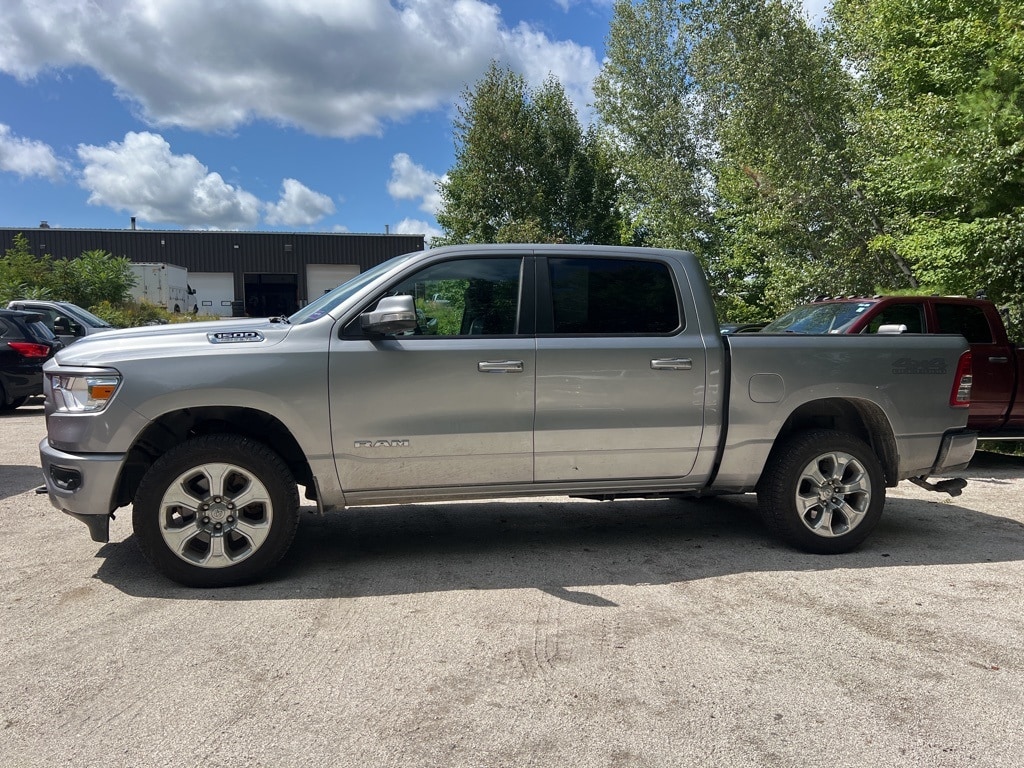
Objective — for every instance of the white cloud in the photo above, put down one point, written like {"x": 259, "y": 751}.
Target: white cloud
{"x": 417, "y": 227}
{"x": 410, "y": 181}
{"x": 141, "y": 176}
{"x": 298, "y": 206}
{"x": 26, "y": 157}
{"x": 331, "y": 68}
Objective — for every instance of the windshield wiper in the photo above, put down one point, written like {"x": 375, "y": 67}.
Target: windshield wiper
{"x": 280, "y": 319}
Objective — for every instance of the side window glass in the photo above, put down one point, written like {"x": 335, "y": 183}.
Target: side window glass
{"x": 965, "y": 320}
{"x": 49, "y": 317}
{"x": 466, "y": 297}
{"x": 612, "y": 296}
{"x": 42, "y": 330}
{"x": 910, "y": 315}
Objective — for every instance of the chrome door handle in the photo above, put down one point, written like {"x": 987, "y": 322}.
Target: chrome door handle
{"x": 500, "y": 366}
{"x": 999, "y": 359}
{"x": 672, "y": 364}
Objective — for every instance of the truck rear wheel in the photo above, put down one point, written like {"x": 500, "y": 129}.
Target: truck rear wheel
{"x": 822, "y": 491}
{"x": 216, "y": 511}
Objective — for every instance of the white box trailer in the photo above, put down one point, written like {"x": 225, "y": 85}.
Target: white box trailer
{"x": 165, "y": 285}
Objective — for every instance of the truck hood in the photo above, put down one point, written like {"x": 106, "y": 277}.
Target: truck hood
{"x": 173, "y": 340}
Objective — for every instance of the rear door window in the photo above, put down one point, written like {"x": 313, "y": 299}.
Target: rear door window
{"x": 964, "y": 319}
{"x": 41, "y": 331}
{"x": 611, "y": 297}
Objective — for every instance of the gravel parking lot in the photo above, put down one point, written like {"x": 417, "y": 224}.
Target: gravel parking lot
{"x": 522, "y": 633}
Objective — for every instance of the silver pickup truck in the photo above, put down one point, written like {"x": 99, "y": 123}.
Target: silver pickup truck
{"x": 490, "y": 371}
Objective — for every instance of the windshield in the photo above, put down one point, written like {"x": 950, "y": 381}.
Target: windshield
{"x": 333, "y": 299}
{"x": 819, "y": 318}
{"x": 84, "y": 316}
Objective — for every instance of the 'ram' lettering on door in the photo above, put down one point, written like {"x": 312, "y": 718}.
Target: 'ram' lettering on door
{"x": 382, "y": 444}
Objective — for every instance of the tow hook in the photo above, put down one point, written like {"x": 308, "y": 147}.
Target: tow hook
{"x": 953, "y": 486}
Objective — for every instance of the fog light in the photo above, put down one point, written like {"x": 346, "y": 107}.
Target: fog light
{"x": 66, "y": 479}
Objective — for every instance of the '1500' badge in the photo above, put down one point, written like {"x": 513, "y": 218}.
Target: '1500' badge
{"x": 234, "y": 337}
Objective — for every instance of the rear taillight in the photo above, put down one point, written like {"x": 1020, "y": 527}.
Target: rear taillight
{"x": 960, "y": 397}
{"x": 29, "y": 349}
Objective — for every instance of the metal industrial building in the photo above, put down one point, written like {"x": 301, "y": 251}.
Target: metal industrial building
{"x": 267, "y": 273}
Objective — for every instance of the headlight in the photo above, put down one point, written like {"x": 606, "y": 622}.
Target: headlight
{"x": 81, "y": 393}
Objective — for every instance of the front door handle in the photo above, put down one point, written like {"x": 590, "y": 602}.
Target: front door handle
{"x": 672, "y": 364}
{"x": 500, "y": 366}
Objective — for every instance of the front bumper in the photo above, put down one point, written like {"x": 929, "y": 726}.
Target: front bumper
{"x": 82, "y": 485}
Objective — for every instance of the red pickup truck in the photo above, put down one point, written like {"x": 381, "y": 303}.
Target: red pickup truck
{"x": 997, "y": 395}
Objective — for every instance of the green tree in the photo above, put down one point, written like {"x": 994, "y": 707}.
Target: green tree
{"x": 525, "y": 170}
{"x": 93, "y": 278}
{"x": 943, "y": 116}
{"x": 652, "y": 128}
{"x": 787, "y": 177}
{"x": 728, "y": 124}
{"x": 23, "y": 274}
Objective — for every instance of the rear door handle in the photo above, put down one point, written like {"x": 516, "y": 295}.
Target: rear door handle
{"x": 999, "y": 359}
{"x": 672, "y": 364}
{"x": 500, "y": 366}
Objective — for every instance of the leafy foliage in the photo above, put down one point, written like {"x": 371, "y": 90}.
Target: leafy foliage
{"x": 525, "y": 171}
{"x": 881, "y": 151}
{"x": 92, "y": 278}
{"x": 23, "y": 275}
{"x": 95, "y": 280}
{"x": 787, "y": 178}
{"x": 942, "y": 100}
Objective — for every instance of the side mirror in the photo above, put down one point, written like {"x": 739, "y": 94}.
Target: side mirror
{"x": 393, "y": 314}
{"x": 62, "y": 325}
{"x": 892, "y": 328}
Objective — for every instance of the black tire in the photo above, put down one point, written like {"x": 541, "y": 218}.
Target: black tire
{"x": 10, "y": 406}
{"x": 188, "y": 525}
{"x": 822, "y": 491}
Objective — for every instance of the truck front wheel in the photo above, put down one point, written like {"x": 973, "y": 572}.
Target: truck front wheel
{"x": 216, "y": 511}
{"x": 822, "y": 491}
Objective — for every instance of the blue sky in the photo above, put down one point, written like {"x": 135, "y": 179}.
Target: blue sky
{"x": 292, "y": 115}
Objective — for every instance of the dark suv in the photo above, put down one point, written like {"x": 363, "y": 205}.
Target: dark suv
{"x": 25, "y": 344}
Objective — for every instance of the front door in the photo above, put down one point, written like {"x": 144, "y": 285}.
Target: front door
{"x": 450, "y": 404}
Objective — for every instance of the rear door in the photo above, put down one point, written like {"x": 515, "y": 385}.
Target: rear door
{"x": 621, "y": 371}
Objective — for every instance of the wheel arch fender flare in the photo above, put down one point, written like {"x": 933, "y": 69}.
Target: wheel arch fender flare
{"x": 861, "y": 418}
{"x": 174, "y": 427}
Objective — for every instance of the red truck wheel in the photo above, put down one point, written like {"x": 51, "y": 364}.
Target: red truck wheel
{"x": 822, "y": 491}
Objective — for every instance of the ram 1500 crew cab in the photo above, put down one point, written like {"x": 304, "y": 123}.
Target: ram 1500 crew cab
{"x": 483, "y": 372}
